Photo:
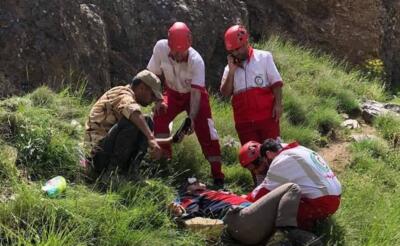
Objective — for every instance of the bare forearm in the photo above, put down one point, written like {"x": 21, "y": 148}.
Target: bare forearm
{"x": 277, "y": 91}
{"x": 194, "y": 103}
{"x": 227, "y": 85}
{"x": 137, "y": 118}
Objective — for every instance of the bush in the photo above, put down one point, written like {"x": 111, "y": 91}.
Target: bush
{"x": 388, "y": 126}
{"x": 324, "y": 119}
{"x": 8, "y": 169}
{"x": 295, "y": 107}
{"x": 42, "y": 97}
{"x": 348, "y": 102}
{"x": 304, "y": 135}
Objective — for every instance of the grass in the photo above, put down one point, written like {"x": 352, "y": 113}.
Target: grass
{"x": 43, "y": 132}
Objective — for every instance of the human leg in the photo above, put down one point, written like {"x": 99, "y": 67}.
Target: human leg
{"x": 269, "y": 128}
{"x": 208, "y": 138}
{"x": 247, "y": 132}
{"x": 276, "y": 209}
{"x": 174, "y": 103}
{"x": 311, "y": 210}
{"x": 122, "y": 142}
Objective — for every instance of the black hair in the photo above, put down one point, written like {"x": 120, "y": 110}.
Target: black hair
{"x": 183, "y": 187}
{"x": 270, "y": 145}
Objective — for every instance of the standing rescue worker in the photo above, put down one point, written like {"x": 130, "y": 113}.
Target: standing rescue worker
{"x": 295, "y": 164}
{"x": 254, "y": 83}
{"x": 182, "y": 71}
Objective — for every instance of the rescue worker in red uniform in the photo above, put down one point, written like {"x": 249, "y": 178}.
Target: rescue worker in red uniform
{"x": 282, "y": 163}
{"x": 182, "y": 71}
{"x": 254, "y": 83}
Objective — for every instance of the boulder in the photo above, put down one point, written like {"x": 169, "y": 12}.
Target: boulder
{"x": 371, "y": 109}
{"x": 356, "y": 30}
{"x": 351, "y": 124}
{"x": 102, "y": 43}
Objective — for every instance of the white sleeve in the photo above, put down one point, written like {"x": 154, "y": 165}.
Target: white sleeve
{"x": 198, "y": 73}
{"x": 273, "y": 75}
{"x": 155, "y": 60}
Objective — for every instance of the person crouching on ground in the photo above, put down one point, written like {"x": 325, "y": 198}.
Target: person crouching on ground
{"x": 294, "y": 163}
{"x": 117, "y": 131}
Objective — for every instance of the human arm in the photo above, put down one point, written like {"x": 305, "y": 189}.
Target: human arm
{"x": 187, "y": 207}
{"x": 195, "y": 96}
{"x": 277, "y": 109}
{"x": 260, "y": 191}
{"x": 137, "y": 118}
{"x": 226, "y": 87}
{"x": 275, "y": 81}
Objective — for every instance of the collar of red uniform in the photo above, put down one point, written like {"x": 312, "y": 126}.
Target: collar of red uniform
{"x": 289, "y": 146}
{"x": 250, "y": 53}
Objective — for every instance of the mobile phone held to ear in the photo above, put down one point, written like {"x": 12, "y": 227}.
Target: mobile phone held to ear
{"x": 237, "y": 61}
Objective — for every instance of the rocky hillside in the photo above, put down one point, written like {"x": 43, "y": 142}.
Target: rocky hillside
{"x": 106, "y": 42}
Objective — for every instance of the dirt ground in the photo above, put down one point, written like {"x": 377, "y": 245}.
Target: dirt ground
{"x": 337, "y": 154}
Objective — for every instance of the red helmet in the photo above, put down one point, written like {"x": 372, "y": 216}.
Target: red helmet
{"x": 249, "y": 152}
{"x": 235, "y": 37}
{"x": 179, "y": 37}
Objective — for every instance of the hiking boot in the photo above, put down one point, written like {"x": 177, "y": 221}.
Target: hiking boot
{"x": 300, "y": 237}
{"x": 279, "y": 238}
{"x": 218, "y": 184}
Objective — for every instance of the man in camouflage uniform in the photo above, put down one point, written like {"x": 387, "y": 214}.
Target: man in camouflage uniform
{"x": 117, "y": 131}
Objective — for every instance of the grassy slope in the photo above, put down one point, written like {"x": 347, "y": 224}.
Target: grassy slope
{"x": 38, "y": 127}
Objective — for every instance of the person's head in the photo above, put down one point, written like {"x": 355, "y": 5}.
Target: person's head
{"x": 270, "y": 148}
{"x": 179, "y": 41}
{"x": 147, "y": 88}
{"x": 249, "y": 155}
{"x": 237, "y": 41}
{"x": 193, "y": 186}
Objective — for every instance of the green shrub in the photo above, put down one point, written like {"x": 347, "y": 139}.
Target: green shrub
{"x": 295, "y": 107}
{"x": 347, "y": 102}
{"x": 388, "y": 126}
{"x": 42, "y": 97}
{"x": 304, "y": 135}
{"x": 324, "y": 119}
{"x": 376, "y": 148}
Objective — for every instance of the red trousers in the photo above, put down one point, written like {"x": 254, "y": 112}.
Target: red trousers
{"x": 311, "y": 210}
{"x": 204, "y": 126}
{"x": 257, "y": 130}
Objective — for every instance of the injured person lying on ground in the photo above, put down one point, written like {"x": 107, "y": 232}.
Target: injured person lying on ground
{"x": 269, "y": 221}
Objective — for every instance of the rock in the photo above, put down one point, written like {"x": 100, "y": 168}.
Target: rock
{"x": 345, "y": 116}
{"x": 351, "y": 124}
{"x": 371, "y": 109}
{"x": 355, "y": 30}
{"x": 363, "y": 137}
{"x": 102, "y": 43}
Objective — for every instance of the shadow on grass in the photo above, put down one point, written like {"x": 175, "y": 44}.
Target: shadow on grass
{"x": 331, "y": 232}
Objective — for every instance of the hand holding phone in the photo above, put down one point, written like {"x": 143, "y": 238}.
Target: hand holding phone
{"x": 233, "y": 62}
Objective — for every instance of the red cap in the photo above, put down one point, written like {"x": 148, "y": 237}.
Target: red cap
{"x": 249, "y": 152}
{"x": 179, "y": 37}
{"x": 235, "y": 37}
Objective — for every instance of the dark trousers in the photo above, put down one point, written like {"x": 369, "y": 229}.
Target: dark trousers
{"x": 122, "y": 149}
